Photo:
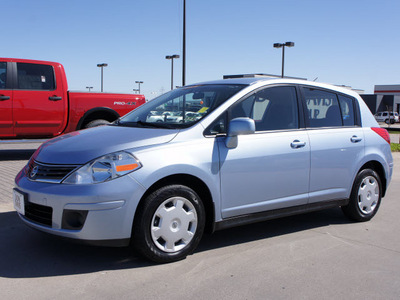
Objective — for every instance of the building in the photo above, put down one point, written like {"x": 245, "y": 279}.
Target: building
{"x": 385, "y": 98}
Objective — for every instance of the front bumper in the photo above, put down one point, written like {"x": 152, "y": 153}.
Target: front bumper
{"x": 93, "y": 213}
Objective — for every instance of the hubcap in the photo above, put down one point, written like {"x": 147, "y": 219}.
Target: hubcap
{"x": 174, "y": 224}
{"x": 368, "y": 195}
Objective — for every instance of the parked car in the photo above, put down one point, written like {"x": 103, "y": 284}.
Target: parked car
{"x": 387, "y": 117}
{"x": 35, "y": 101}
{"x": 260, "y": 149}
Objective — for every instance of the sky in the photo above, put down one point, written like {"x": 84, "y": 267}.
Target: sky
{"x": 345, "y": 42}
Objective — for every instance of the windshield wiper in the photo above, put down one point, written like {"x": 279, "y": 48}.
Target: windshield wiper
{"x": 145, "y": 124}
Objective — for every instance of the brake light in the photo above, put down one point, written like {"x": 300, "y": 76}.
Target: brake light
{"x": 382, "y": 132}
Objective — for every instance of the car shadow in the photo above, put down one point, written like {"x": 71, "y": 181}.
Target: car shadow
{"x": 27, "y": 253}
{"x": 20, "y": 154}
{"x": 272, "y": 228}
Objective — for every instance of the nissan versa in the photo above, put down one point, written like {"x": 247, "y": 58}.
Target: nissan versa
{"x": 206, "y": 157}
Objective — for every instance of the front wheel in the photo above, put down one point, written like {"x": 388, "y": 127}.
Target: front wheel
{"x": 170, "y": 224}
{"x": 365, "y": 196}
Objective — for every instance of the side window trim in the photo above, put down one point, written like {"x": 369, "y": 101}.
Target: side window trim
{"x": 13, "y": 75}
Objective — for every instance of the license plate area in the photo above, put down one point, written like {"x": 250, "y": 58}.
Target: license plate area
{"x": 19, "y": 199}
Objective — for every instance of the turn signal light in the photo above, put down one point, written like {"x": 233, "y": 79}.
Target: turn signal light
{"x": 129, "y": 167}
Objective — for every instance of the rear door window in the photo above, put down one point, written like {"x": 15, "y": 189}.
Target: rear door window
{"x": 323, "y": 108}
{"x": 35, "y": 77}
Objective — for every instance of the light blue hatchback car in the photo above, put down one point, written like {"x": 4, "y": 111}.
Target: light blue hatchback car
{"x": 206, "y": 157}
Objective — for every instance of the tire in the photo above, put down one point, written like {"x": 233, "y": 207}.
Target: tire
{"x": 387, "y": 121}
{"x": 169, "y": 225}
{"x": 95, "y": 123}
{"x": 365, "y": 197}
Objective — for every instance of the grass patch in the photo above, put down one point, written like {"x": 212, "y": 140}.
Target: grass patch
{"x": 393, "y": 131}
{"x": 395, "y": 147}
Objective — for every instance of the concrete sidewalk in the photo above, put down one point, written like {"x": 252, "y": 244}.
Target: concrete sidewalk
{"x": 13, "y": 157}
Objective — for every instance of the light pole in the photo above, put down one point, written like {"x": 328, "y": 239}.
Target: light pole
{"x": 279, "y": 45}
{"x": 184, "y": 45}
{"x": 89, "y": 88}
{"x": 171, "y": 57}
{"x": 102, "y": 66}
{"x": 138, "y": 82}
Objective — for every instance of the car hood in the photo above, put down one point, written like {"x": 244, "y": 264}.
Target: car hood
{"x": 82, "y": 146}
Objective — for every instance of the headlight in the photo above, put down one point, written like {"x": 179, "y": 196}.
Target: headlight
{"x": 105, "y": 168}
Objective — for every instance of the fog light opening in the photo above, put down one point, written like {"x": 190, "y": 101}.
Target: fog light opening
{"x": 73, "y": 219}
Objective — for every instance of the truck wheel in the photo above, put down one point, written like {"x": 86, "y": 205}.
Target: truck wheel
{"x": 95, "y": 123}
{"x": 365, "y": 196}
{"x": 169, "y": 225}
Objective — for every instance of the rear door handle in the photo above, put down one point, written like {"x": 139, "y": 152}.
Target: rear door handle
{"x": 55, "y": 98}
{"x": 297, "y": 144}
{"x": 2, "y": 98}
{"x": 355, "y": 139}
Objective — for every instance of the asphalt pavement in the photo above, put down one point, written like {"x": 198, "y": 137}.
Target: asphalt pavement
{"x": 318, "y": 255}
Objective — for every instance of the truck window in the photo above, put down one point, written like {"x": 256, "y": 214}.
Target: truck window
{"x": 35, "y": 77}
{"x": 3, "y": 75}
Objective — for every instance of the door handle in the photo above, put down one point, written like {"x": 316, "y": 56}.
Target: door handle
{"x": 355, "y": 139}
{"x": 55, "y": 98}
{"x": 2, "y": 98}
{"x": 297, "y": 144}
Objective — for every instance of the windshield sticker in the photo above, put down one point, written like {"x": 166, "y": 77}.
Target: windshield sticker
{"x": 204, "y": 109}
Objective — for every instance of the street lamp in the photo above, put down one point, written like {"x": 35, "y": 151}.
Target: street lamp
{"x": 102, "y": 66}
{"x": 279, "y": 45}
{"x": 184, "y": 45}
{"x": 138, "y": 82}
{"x": 89, "y": 88}
{"x": 171, "y": 57}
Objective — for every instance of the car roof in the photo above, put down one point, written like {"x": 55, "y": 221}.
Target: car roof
{"x": 262, "y": 81}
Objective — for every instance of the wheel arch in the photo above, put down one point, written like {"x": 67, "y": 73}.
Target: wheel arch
{"x": 105, "y": 113}
{"x": 378, "y": 168}
{"x": 192, "y": 182}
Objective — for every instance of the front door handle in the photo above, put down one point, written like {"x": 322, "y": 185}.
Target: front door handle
{"x": 297, "y": 144}
{"x": 2, "y": 98}
{"x": 55, "y": 98}
{"x": 355, "y": 139}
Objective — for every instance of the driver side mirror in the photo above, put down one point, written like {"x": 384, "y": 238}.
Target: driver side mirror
{"x": 239, "y": 126}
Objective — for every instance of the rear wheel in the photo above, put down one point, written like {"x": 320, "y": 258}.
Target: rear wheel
{"x": 95, "y": 123}
{"x": 365, "y": 196}
{"x": 170, "y": 224}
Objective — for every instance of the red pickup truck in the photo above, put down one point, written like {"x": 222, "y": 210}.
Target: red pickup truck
{"x": 35, "y": 101}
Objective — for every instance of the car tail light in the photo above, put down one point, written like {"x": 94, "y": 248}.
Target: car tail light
{"x": 382, "y": 132}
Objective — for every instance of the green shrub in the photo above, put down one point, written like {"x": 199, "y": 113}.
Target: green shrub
{"x": 395, "y": 147}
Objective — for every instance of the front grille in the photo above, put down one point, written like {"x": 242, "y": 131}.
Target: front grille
{"x": 39, "y": 213}
{"x": 48, "y": 173}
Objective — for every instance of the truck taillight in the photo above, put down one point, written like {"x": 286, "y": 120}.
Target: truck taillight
{"x": 382, "y": 132}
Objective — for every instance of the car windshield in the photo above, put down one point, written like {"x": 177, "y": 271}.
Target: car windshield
{"x": 180, "y": 108}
